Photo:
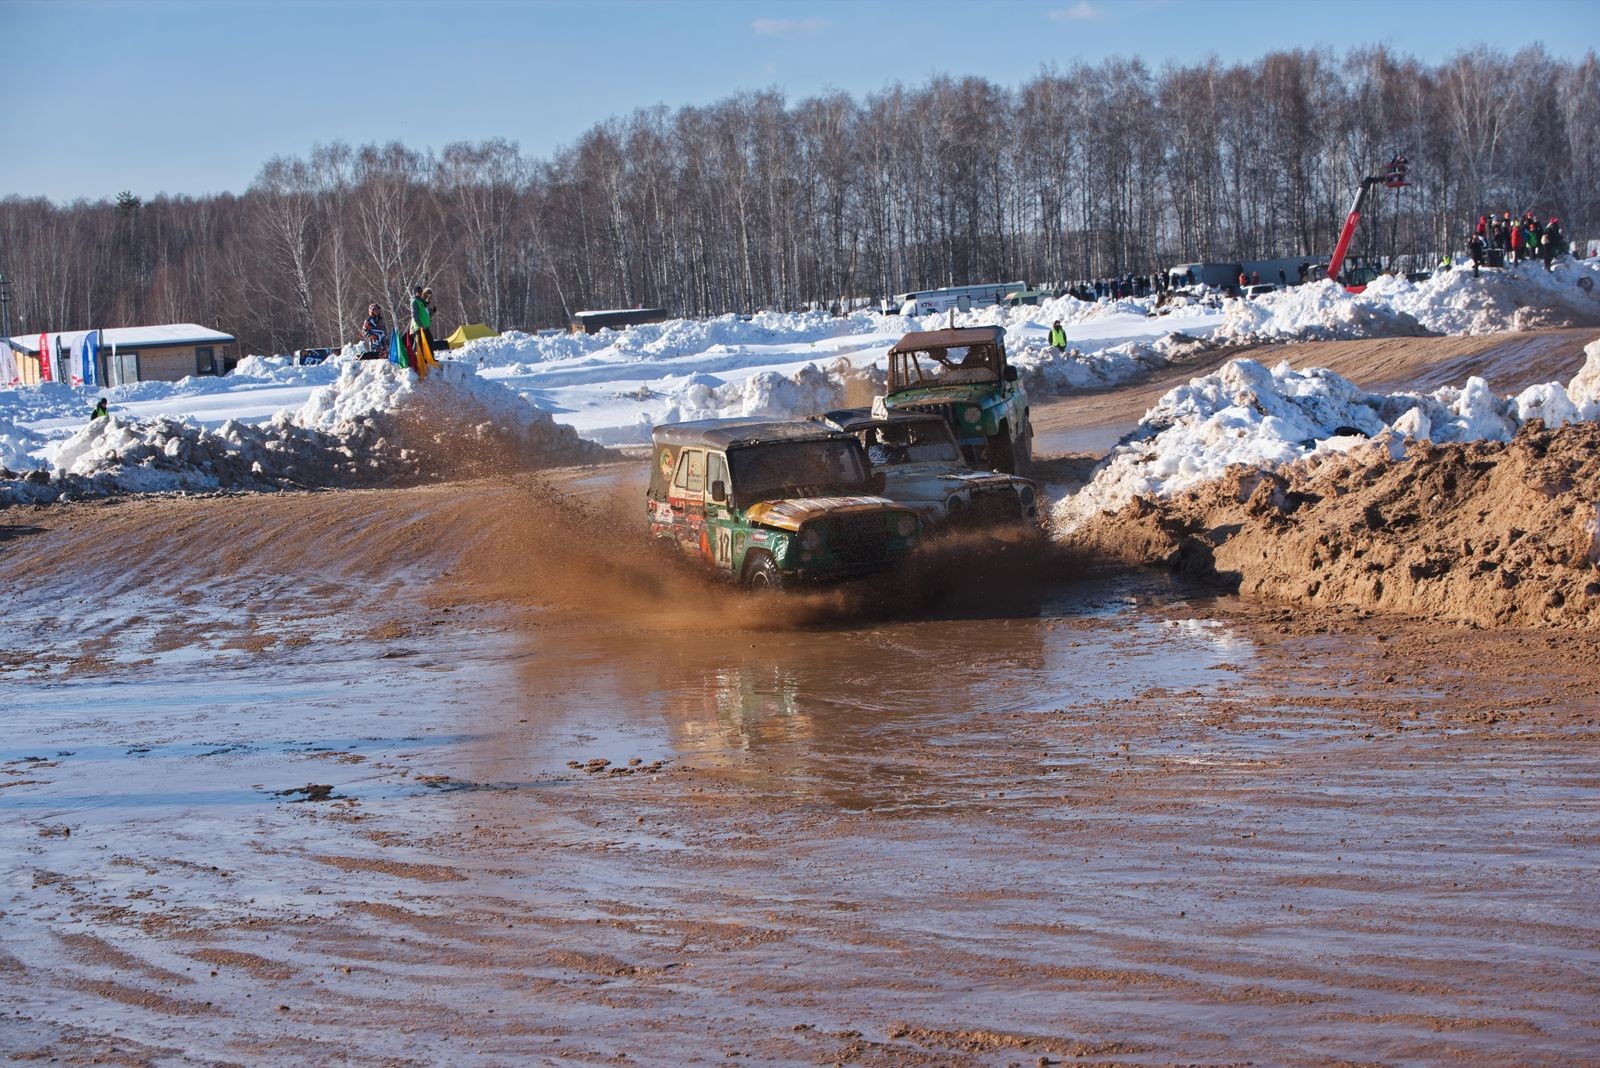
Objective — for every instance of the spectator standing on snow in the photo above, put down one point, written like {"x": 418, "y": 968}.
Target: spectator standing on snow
{"x": 1552, "y": 244}
{"x": 101, "y": 410}
{"x": 1058, "y": 336}
{"x": 433, "y": 311}
{"x": 1516, "y": 242}
{"x": 1475, "y": 247}
{"x": 375, "y": 333}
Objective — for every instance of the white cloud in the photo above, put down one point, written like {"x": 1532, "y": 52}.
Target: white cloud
{"x": 1083, "y": 11}
{"x": 779, "y": 27}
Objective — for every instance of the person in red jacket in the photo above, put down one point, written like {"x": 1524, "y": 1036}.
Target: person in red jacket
{"x": 1516, "y": 242}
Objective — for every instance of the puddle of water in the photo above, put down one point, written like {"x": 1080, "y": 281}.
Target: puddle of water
{"x": 1086, "y": 819}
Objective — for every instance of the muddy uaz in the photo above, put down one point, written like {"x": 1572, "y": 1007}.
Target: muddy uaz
{"x": 771, "y": 503}
{"x": 963, "y": 376}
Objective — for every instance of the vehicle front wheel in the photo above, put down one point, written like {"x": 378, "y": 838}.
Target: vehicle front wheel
{"x": 761, "y": 575}
{"x": 1002, "y": 451}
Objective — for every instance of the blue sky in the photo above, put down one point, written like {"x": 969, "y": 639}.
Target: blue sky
{"x": 192, "y": 97}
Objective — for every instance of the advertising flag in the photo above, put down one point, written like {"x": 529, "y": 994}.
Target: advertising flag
{"x": 89, "y": 359}
{"x": 9, "y": 375}
{"x": 44, "y": 357}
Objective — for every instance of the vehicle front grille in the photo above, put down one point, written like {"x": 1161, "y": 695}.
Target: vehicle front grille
{"x": 995, "y": 506}
{"x": 861, "y": 539}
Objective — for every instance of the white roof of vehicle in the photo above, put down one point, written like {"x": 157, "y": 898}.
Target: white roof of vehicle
{"x": 132, "y": 337}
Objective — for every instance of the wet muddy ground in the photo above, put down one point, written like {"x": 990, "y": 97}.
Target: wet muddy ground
{"x": 404, "y": 777}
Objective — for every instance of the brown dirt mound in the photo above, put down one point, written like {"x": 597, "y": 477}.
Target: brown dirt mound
{"x": 1485, "y": 534}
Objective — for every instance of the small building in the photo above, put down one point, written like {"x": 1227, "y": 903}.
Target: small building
{"x": 592, "y": 322}
{"x": 133, "y": 353}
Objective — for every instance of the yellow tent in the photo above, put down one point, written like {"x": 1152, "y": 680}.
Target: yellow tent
{"x": 469, "y": 331}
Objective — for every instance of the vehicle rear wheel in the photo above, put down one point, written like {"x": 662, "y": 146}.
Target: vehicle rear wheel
{"x": 761, "y": 574}
{"x": 1002, "y": 451}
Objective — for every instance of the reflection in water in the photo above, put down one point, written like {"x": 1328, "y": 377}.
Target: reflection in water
{"x": 875, "y": 717}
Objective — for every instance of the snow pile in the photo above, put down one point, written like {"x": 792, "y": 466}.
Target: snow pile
{"x": 375, "y": 424}
{"x": 671, "y": 338}
{"x": 482, "y": 426}
{"x": 1317, "y": 311}
{"x": 16, "y": 445}
{"x": 1450, "y": 302}
{"x": 1046, "y": 372}
{"x": 767, "y": 394}
{"x": 1517, "y": 298}
{"x": 1246, "y": 415}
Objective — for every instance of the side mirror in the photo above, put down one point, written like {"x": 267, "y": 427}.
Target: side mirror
{"x": 1011, "y": 374}
{"x": 719, "y": 491}
{"x": 878, "y": 482}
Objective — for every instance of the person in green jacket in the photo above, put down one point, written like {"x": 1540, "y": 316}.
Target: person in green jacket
{"x": 101, "y": 411}
{"x": 1058, "y": 336}
{"x": 421, "y": 314}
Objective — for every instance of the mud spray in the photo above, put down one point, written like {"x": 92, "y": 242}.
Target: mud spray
{"x": 586, "y": 550}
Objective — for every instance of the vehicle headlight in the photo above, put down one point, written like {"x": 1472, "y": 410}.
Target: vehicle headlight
{"x": 971, "y": 415}
{"x": 905, "y": 526}
{"x": 810, "y": 538}
{"x": 1026, "y": 495}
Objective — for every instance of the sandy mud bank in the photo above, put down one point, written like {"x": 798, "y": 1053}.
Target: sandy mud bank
{"x": 1486, "y": 533}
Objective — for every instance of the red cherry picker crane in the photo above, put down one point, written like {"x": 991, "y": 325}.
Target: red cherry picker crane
{"x": 1393, "y": 177}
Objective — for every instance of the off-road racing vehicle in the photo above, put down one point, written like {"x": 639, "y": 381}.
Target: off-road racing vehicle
{"x": 923, "y": 468}
{"x": 963, "y": 376}
{"x": 774, "y": 503}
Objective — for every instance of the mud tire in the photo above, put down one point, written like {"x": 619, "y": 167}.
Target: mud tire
{"x": 761, "y": 575}
{"x": 1002, "y": 451}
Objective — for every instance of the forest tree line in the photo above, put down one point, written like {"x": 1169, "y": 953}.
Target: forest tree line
{"x": 1081, "y": 172}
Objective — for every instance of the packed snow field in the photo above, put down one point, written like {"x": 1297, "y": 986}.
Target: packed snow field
{"x": 553, "y": 399}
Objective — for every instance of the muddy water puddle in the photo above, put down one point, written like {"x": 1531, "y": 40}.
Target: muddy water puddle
{"x": 1109, "y": 824}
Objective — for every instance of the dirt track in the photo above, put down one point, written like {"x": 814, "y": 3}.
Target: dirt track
{"x": 1089, "y": 818}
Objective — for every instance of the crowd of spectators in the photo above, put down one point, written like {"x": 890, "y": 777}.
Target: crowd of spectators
{"x": 1500, "y": 241}
{"x": 1125, "y": 285}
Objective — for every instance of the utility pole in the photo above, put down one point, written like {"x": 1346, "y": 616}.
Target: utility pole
{"x": 5, "y": 308}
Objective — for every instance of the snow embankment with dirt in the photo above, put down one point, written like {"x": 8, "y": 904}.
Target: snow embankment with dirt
{"x": 1245, "y": 414}
{"x": 373, "y": 424}
{"x": 1523, "y": 297}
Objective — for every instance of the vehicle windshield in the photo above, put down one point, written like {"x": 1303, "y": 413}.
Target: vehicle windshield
{"x": 938, "y": 367}
{"x": 797, "y": 469}
{"x": 910, "y": 442}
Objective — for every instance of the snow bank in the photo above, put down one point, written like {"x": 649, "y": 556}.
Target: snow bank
{"x": 16, "y": 446}
{"x": 375, "y": 424}
{"x": 673, "y": 338}
{"x": 770, "y": 395}
{"x": 1451, "y": 302}
{"x": 1246, "y": 414}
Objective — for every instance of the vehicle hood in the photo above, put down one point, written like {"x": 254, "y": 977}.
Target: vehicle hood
{"x": 791, "y": 514}
{"x": 955, "y": 393}
{"x": 931, "y": 481}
